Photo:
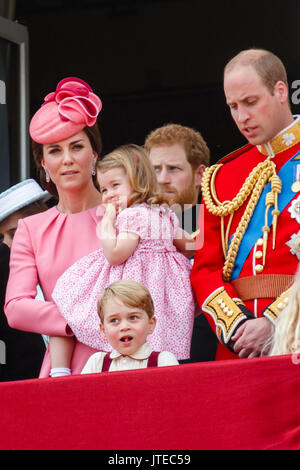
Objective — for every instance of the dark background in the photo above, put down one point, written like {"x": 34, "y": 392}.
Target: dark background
{"x": 155, "y": 61}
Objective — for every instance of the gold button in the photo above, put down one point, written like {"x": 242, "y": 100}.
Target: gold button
{"x": 259, "y": 268}
{"x": 258, "y": 254}
{"x": 260, "y": 242}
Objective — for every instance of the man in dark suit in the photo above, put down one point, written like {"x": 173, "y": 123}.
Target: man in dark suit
{"x": 21, "y": 353}
{"x": 179, "y": 155}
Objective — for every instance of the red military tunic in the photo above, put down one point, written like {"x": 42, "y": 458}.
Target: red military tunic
{"x": 257, "y": 283}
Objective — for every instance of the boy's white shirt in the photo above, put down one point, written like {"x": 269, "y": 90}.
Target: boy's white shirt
{"x": 138, "y": 360}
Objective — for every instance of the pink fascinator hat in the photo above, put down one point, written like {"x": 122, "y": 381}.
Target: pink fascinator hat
{"x": 66, "y": 111}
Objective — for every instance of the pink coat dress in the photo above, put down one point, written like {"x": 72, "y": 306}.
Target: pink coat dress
{"x": 155, "y": 263}
{"x": 44, "y": 246}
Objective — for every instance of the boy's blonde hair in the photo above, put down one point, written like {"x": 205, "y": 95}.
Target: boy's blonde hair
{"x": 286, "y": 338}
{"x": 137, "y": 166}
{"x": 130, "y": 293}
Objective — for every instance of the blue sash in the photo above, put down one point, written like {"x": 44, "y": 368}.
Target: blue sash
{"x": 254, "y": 229}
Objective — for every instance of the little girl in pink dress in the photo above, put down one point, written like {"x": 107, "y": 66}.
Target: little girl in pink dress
{"x": 140, "y": 241}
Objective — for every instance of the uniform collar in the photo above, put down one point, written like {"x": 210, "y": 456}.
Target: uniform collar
{"x": 142, "y": 353}
{"x": 282, "y": 141}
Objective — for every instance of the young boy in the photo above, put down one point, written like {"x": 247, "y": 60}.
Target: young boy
{"x": 127, "y": 317}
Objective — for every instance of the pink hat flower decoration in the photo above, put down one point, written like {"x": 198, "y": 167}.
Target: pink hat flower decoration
{"x": 65, "y": 112}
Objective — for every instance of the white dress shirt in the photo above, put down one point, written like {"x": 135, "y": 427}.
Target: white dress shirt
{"x": 138, "y": 360}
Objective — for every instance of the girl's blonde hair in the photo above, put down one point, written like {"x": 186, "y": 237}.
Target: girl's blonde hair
{"x": 130, "y": 293}
{"x": 137, "y": 166}
{"x": 286, "y": 338}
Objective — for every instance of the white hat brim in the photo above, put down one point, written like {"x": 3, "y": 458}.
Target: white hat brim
{"x": 21, "y": 195}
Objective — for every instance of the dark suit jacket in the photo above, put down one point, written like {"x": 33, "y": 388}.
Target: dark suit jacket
{"x": 204, "y": 341}
{"x": 21, "y": 353}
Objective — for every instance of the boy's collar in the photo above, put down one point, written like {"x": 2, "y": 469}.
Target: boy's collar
{"x": 142, "y": 353}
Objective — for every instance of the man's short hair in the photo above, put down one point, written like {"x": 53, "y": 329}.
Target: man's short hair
{"x": 196, "y": 149}
{"x": 266, "y": 64}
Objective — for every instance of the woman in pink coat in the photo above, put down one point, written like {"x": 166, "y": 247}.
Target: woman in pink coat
{"x": 66, "y": 145}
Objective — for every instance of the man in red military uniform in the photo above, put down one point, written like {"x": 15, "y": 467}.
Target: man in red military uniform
{"x": 251, "y": 249}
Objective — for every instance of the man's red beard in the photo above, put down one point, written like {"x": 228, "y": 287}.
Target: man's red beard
{"x": 185, "y": 197}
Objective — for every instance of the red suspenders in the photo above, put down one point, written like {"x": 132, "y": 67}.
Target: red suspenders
{"x": 152, "y": 361}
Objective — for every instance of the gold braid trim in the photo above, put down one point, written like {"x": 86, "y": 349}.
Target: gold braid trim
{"x": 253, "y": 187}
{"x": 275, "y": 308}
{"x": 225, "y": 311}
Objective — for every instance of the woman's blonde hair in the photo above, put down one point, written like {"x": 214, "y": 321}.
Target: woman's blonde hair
{"x": 142, "y": 178}
{"x": 130, "y": 293}
{"x": 286, "y": 338}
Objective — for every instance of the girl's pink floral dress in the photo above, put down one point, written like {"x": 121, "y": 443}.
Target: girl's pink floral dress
{"x": 155, "y": 263}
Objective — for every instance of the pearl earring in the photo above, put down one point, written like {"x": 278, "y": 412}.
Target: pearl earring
{"x": 47, "y": 176}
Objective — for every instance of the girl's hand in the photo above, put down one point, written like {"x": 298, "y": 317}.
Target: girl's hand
{"x": 116, "y": 247}
{"x": 110, "y": 212}
{"x": 184, "y": 243}
{"x": 100, "y": 210}
{"x": 106, "y": 228}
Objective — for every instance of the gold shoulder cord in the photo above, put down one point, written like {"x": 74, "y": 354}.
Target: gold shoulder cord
{"x": 253, "y": 186}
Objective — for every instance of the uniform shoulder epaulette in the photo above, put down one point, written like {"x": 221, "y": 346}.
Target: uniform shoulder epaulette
{"x": 236, "y": 153}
